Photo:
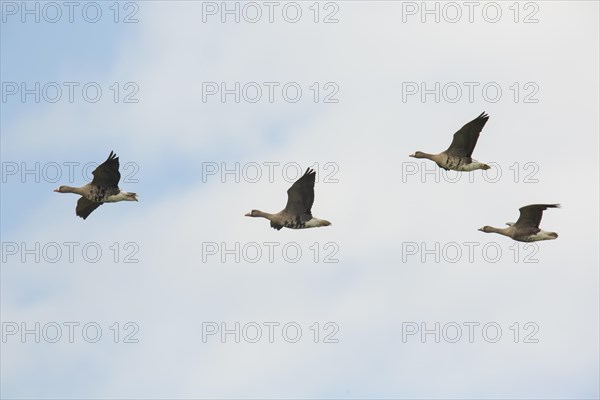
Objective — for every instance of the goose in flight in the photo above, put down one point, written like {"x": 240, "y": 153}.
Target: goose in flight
{"x": 527, "y": 227}
{"x": 458, "y": 156}
{"x": 297, "y": 212}
{"x": 103, "y": 188}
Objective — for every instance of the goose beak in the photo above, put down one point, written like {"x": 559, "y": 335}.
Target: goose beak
{"x": 248, "y": 215}
{"x": 56, "y": 190}
{"x": 480, "y": 229}
{"x": 412, "y": 155}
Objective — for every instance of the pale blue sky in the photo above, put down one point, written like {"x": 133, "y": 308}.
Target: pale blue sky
{"x": 370, "y": 292}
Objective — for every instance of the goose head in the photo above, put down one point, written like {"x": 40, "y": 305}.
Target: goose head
{"x": 417, "y": 154}
{"x": 486, "y": 229}
{"x": 253, "y": 213}
{"x": 65, "y": 189}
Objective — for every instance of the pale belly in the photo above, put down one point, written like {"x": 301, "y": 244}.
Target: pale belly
{"x": 462, "y": 164}
{"x": 541, "y": 235}
{"x": 115, "y": 197}
{"x": 471, "y": 166}
{"x": 312, "y": 223}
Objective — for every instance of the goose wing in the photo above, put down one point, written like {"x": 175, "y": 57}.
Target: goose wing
{"x": 301, "y": 196}
{"x": 465, "y": 138}
{"x": 107, "y": 174}
{"x": 85, "y": 207}
{"x": 531, "y": 215}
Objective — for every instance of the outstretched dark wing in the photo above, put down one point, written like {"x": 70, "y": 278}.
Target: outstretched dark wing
{"x": 107, "y": 174}
{"x": 85, "y": 207}
{"x": 531, "y": 215}
{"x": 465, "y": 139}
{"x": 301, "y": 195}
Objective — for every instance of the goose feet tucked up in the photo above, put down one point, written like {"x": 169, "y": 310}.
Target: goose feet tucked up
{"x": 297, "y": 212}
{"x": 526, "y": 229}
{"x": 458, "y": 156}
{"x": 103, "y": 188}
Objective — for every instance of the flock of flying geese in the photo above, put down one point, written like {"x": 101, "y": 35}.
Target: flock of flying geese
{"x": 297, "y": 214}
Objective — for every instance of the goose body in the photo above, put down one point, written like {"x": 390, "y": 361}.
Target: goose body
{"x": 103, "y": 188}
{"x": 458, "y": 156}
{"x": 297, "y": 212}
{"x": 526, "y": 229}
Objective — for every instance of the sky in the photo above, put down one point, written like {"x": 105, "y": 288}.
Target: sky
{"x": 215, "y": 109}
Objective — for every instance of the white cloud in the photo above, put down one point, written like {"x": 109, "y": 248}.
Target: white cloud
{"x": 370, "y": 292}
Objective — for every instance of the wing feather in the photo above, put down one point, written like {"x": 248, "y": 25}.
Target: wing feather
{"x": 531, "y": 215}
{"x": 465, "y": 139}
{"x": 301, "y": 195}
{"x": 107, "y": 174}
{"x": 85, "y": 207}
